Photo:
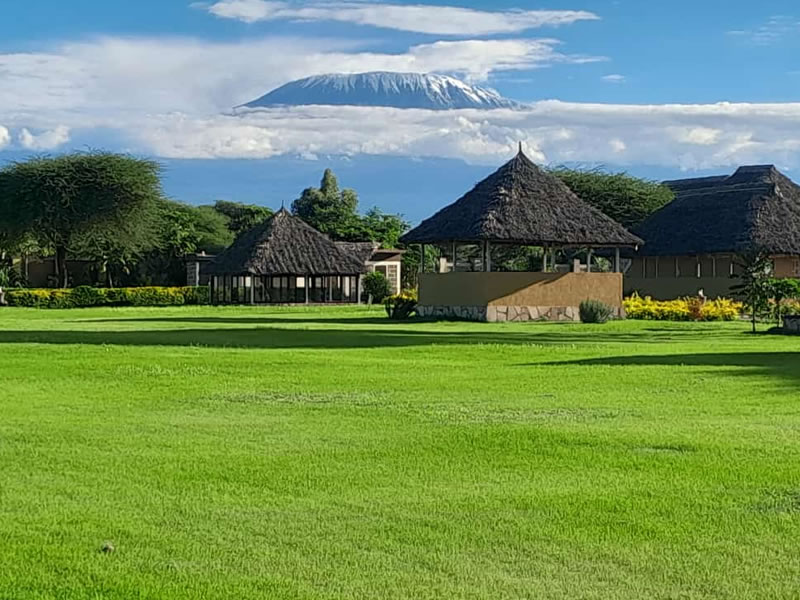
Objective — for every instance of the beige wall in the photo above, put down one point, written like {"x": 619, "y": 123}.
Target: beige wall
{"x": 674, "y": 283}
{"x": 519, "y": 289}
{"x": 787, "y": 266}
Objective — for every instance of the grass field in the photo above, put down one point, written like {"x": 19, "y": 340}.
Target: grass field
{"x": 252, "y": 453}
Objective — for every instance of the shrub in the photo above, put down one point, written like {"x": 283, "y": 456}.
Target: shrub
{"x": 791, "y": 307}
{"x": 85, "y": 296}
{"x": 10, "y": 277}
{"x": 377, "y": 286}
{"x": 594, "y": 311}
{"x": 683, "y": 309}
{"x": 401, "y": 306}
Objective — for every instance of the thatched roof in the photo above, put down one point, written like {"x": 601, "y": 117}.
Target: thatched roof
{"x": 361, "y": 250}
{"x": 756, "y": 208}
{"x": 522, "y": 204}
{"x": 286, "y": 245}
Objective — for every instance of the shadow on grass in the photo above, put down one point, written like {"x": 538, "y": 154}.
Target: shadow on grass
{"x": 279, "y": 337}
{"x": 285, "y": 320}
{"x": 394, "y": 335}
{"x": 782, "y": 364}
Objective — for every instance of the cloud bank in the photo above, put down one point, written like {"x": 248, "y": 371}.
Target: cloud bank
{"x": 419, "y": 18}
{"x": 168, "y": 98}
{"x": 683, "y": 136}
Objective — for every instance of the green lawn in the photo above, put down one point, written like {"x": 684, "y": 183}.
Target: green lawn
{"x": 253, "y": 453}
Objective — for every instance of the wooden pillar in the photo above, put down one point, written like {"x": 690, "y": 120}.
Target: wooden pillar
{"x": 252, "y": 288}
{"x": 677, "y": 268}
{"x": 617, "y": 265}
{"x": 422, "y": 258}
{"x": 307, "y": 282}
{"x": 544, "y": 259}
{"x": 455, "y": 257}
{"x": 713, "y": 266}
{"x": 487, "y": 253}
{"x": 358, "y": 289}
{"x": 330, "y": 288}
{"x": 589, "y": 260}
{"x": 699, "y": 268}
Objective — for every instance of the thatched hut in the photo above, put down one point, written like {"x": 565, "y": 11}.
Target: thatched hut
{"x": 520, "y": 205}
{"x": 285, "y": 260}
{"x": 694, "y": 242}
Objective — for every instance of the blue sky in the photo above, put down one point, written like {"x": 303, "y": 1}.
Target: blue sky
{"x": 658, "y": 89}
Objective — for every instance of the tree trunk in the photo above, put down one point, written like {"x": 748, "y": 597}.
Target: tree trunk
{"x": 61, "y": 267}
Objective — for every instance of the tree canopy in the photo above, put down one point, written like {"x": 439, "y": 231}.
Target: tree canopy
{"x": 63, "y": 201}
{"x": 327, "y": 208}
{"x": 626, "y": 199}
{"x": 335, "y": 212}
{"x": 242, "y": 217}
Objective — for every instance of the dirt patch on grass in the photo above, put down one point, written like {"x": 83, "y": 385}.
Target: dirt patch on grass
{"x": 302, "y": 398}
{"x": 483, "y": 414}
{"x": 780, "y": 502}
{"x": 667, "y": 449}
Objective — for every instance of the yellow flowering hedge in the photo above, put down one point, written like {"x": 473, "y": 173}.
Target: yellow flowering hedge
{"x": 402, "y": 305}
{"x": 683, "y": 309}
{"x": 85, "y": 296}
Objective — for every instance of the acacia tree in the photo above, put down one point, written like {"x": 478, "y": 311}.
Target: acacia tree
{"x": 182, "y": 229}
{"x": 65, "y": 199}
{"x": 626, "y": 199}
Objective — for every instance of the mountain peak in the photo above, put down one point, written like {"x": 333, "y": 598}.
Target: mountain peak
{"x": 381, "y": 88}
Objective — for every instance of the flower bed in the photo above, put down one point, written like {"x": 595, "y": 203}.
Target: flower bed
{"x": 683, "y": 309}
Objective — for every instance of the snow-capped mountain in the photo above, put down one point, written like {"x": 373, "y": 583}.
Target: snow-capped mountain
{"x": 398, "y": 90}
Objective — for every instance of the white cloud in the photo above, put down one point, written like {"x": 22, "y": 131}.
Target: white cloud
{"x": 420, "y": 18}
{"x": 698, "y": 136}
{"x": 614, "y": 78}
{"x": 46, "y": 140}
{"x": 5, "y": 137}
{"x": 776, "y": 29}
{"x": 617, "y": 145}
{"x": 109, "y": 75}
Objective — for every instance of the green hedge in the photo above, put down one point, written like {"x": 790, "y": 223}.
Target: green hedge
{"x": 85, "y": 296}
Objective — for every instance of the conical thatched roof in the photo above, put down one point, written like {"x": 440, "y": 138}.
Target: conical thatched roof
{"x": 286, "y": 245}
{"x": 522, "y": 204}
{"x": 756, "y": 208}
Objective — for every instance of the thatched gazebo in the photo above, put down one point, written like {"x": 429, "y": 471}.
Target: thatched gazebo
{"x": 693, "y": 242}
{"x": 520, "y": 205}
{"x": 285, "y": 260}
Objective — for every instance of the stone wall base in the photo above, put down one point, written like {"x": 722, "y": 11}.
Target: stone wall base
{"x": 792, "y": 324}
{"x": 494, "y": 314}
